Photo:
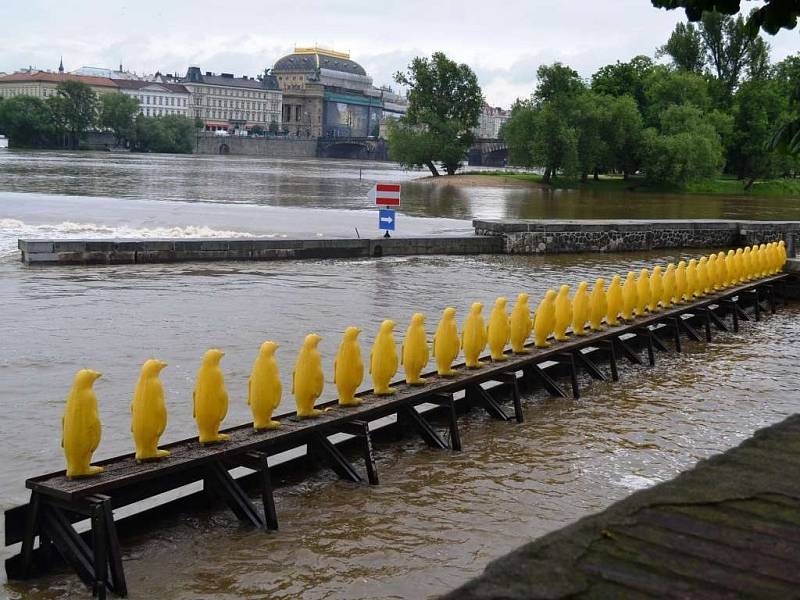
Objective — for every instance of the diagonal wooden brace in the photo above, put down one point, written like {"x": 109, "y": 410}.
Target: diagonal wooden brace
{"x": 428, "y": 433}
{"x": 568, "y": 358}
{"x": 360, "y": 429}
{"x": 260, "y": 462}
{"x": 232, "y": 494}
{"x": 627, "y": 351}
{"x": 534, "y": 371}
{"x": 446, "y": 401}
{"x": 322, "y": 446}
{"x": 589, "y": 366}
{"x": 480, "y": 397}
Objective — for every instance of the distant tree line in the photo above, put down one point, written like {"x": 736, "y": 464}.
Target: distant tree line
{"x": 716, "y": 107}
{"x": 63, "y": 120}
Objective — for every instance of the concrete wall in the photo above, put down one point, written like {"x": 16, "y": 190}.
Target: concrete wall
{"x": 549, "y": 237}
{"x": 267, "y": 147}
{"x": 70, "y": 252}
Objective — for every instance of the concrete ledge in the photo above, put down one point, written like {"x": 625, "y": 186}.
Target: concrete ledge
{"x": 81, "y": 252}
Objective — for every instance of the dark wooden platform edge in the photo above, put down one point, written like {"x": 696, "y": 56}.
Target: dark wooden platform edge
{"x": 57, "y": 503}
{"x": 728, "y": 528}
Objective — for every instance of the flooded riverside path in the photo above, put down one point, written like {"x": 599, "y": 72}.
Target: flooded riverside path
{"x": 437, "y": 517}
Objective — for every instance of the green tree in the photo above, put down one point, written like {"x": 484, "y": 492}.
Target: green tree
{"x": 625, "y": 79}
{"x": 557, "y": 81}
{"x": 518, "y": 133}
{"x": 687, "y": 148}
{"x": 273, "y": 127}
{"x": 665, "y": 88}
{"x": 118, "y": 113}
{"x": 76, "y": 109}
{"x": 27, "y": 121}
{"x": 555, "y": 142}
{"x": 257, "y": 130}
{"x": 444, "y": 104}
{"x": 623, "y": 132}
{"x": 685, "y": 48}
{"x": 166, "y": 133}
{"x": 771, "y": 17}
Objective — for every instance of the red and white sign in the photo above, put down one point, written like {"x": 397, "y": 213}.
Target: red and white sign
{"x": 386, "y": 194}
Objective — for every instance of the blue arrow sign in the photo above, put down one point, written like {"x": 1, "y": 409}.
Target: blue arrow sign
{"x": 386, "y": 219}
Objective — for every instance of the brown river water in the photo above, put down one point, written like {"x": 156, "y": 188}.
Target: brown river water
{"x": 438, "y": 517}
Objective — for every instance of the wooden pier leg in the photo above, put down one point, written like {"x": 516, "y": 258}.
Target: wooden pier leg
{"x": 360, "y": 429}
{"x": 690, "y": 331}
{"x": 29, "y": 536}
{"x": 260, "y": 460}
{"x": 730, "y": 304}
{"x": 706, "y": 312}
{"x": 676, "y": 324}
{"x": 337, "y": 461}
{"x": 719, "y": 323}
{"x": 627, "y": 351}
{"x": 612, "y": 357}
{"x": 510, "y": 379}
{"x": 424, "y": 428}
{"x": 480, "y": 397}
{"x": 589, "y": 365}
{"x": 771, "y": 297}
{"x": 117, "y": 581}
{"x": 647, "y": 334}
{"x": 549, "y": 384}
{"x": 447, "y": 401}
{"x": 568, "y": 359}
{"x": 68, "y": 543}
{"x": 232, "y": 494}
{"x": 100, "y": 557}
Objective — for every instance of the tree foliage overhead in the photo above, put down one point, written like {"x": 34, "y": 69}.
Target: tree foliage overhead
{"x": 771, "y": 17}
{"x": 444, "y": 104}
{"x": 118, "y": 113}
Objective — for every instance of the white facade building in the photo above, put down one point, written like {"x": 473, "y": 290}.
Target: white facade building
{"x": 157, "y": 99}
{"x": 489, "y": 123}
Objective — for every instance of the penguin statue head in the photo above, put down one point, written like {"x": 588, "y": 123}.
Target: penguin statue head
{"x": 213, "y": 356}
{"x": 387, "y": 326}
{"x": 476, "y": 308}
{"x": 85, "y": 378}
{"x": 582, "y": 286}
{"x": 703, "y": 261}
{"x": 631, "y": 275}
{"x": 720, "y": 255}
{"x": 644, "y": 273}
{"x": 670, "y": 267}
{"x": 351, "y": 333}
{"x": 781, "y": 244}
{"x": 550, "y": 296}
{"x": 615, "y": 280}
{"x": 601, "y": 282}
{"x": 153, "y": 367}
{"x": 418, "y": 319}
{"x": 682, "y": 264}
{"x": 522, "y": 298}
{"x": 656, "y": 270}
{"x": 501, "y": 302}
{"x": 692, "y": 263}
{"x": 268, "y": 348}
{"x": 739, "y": 251}
{"x": 449, "y": 313}
{"x": 312, "y": 340}
{"x": 563, "y": 290}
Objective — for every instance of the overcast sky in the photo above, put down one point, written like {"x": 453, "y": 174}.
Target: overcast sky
{"x": 504, "y": 42}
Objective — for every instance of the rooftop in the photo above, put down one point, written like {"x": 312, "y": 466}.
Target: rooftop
{"x": 46, "y": 76}
{"x": 308, "y": 60}
{"x": 194, "y": 75}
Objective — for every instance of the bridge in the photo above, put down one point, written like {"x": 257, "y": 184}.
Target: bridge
{"x": 361, "y": 148}
{"x": 488, "y": 153}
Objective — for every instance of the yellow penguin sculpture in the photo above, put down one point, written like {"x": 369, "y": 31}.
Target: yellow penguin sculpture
{"x": 580, "y": 309}
{"x": 521, "y": 324}
{"x": 630, "y": 297}
{"x": 348, "y": 368}
{"x": 210, "y": 398}
{"x": 264, "y": 388}
{"x": 782, "y": 255}
{"x": 692, "y": 280}
{"x": 416, "y": 352}
{"x": 681, "y": 284}
{"x": 598, "y": 305}
{"x": 722, "y": 271}
{"x": 446, "y": 344}
{"x": 80, "y": 426}
{"x": 545, "y": 320}
{"x": 711, "y": 273}
{"x": 747, "y": 264}
{"x": 614, "y": 301}
{"x": 473, "y": 337}
{"x": 383, "y": 361}
{"x": 148, "y": 412}
{"x": 308, "y": 379}
{"x": 563, "y": 314}
{"x": 656, "y": 289}
{"x": 668, "y": 290}
{"x": 772, "y": 257}
{"x": 730, "y": 269}
{"x": 703, "y": 283}
{"x": 762, "y": 260}
{"x": 738, "y": 265}
{"x": 642, "y": 292}
{"x": 499, "y": 331}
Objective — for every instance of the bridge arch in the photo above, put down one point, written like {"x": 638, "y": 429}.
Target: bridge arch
{"x": 224, "y": 149}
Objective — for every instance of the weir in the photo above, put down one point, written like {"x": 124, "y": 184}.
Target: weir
{"x": 45, "y": 526}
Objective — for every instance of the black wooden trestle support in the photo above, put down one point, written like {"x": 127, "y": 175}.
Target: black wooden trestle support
{"x": 57, "y": 504}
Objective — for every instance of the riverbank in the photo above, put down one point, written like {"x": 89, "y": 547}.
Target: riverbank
{"x": 773, "y": 188}
{"x": 723, "y": 529}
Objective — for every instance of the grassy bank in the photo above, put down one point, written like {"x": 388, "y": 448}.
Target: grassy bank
{"x": 724, "y": 186}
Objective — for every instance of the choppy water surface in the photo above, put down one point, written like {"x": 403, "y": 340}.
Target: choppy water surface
{"x": 438, "y": 517}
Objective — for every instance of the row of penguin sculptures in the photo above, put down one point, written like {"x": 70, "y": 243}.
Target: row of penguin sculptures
{"x": 555, "y": 314}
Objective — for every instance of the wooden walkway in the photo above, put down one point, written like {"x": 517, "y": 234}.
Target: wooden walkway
{"x": 729, "y": 528}
{"x": 57, "y": 503}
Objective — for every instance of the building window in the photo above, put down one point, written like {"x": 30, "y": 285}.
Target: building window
{"x": 297, "y": 112}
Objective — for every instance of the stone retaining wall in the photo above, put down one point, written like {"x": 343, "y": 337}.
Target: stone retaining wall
{"x": 81, "y": 252}
{"x": 550, "y": 237}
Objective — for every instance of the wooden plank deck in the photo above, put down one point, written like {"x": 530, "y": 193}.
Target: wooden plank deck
{"x": 188, "y": 453}
{"x": 728, "y": 528}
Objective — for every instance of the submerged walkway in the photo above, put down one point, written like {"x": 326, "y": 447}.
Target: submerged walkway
{"x": 728, "y": 528}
